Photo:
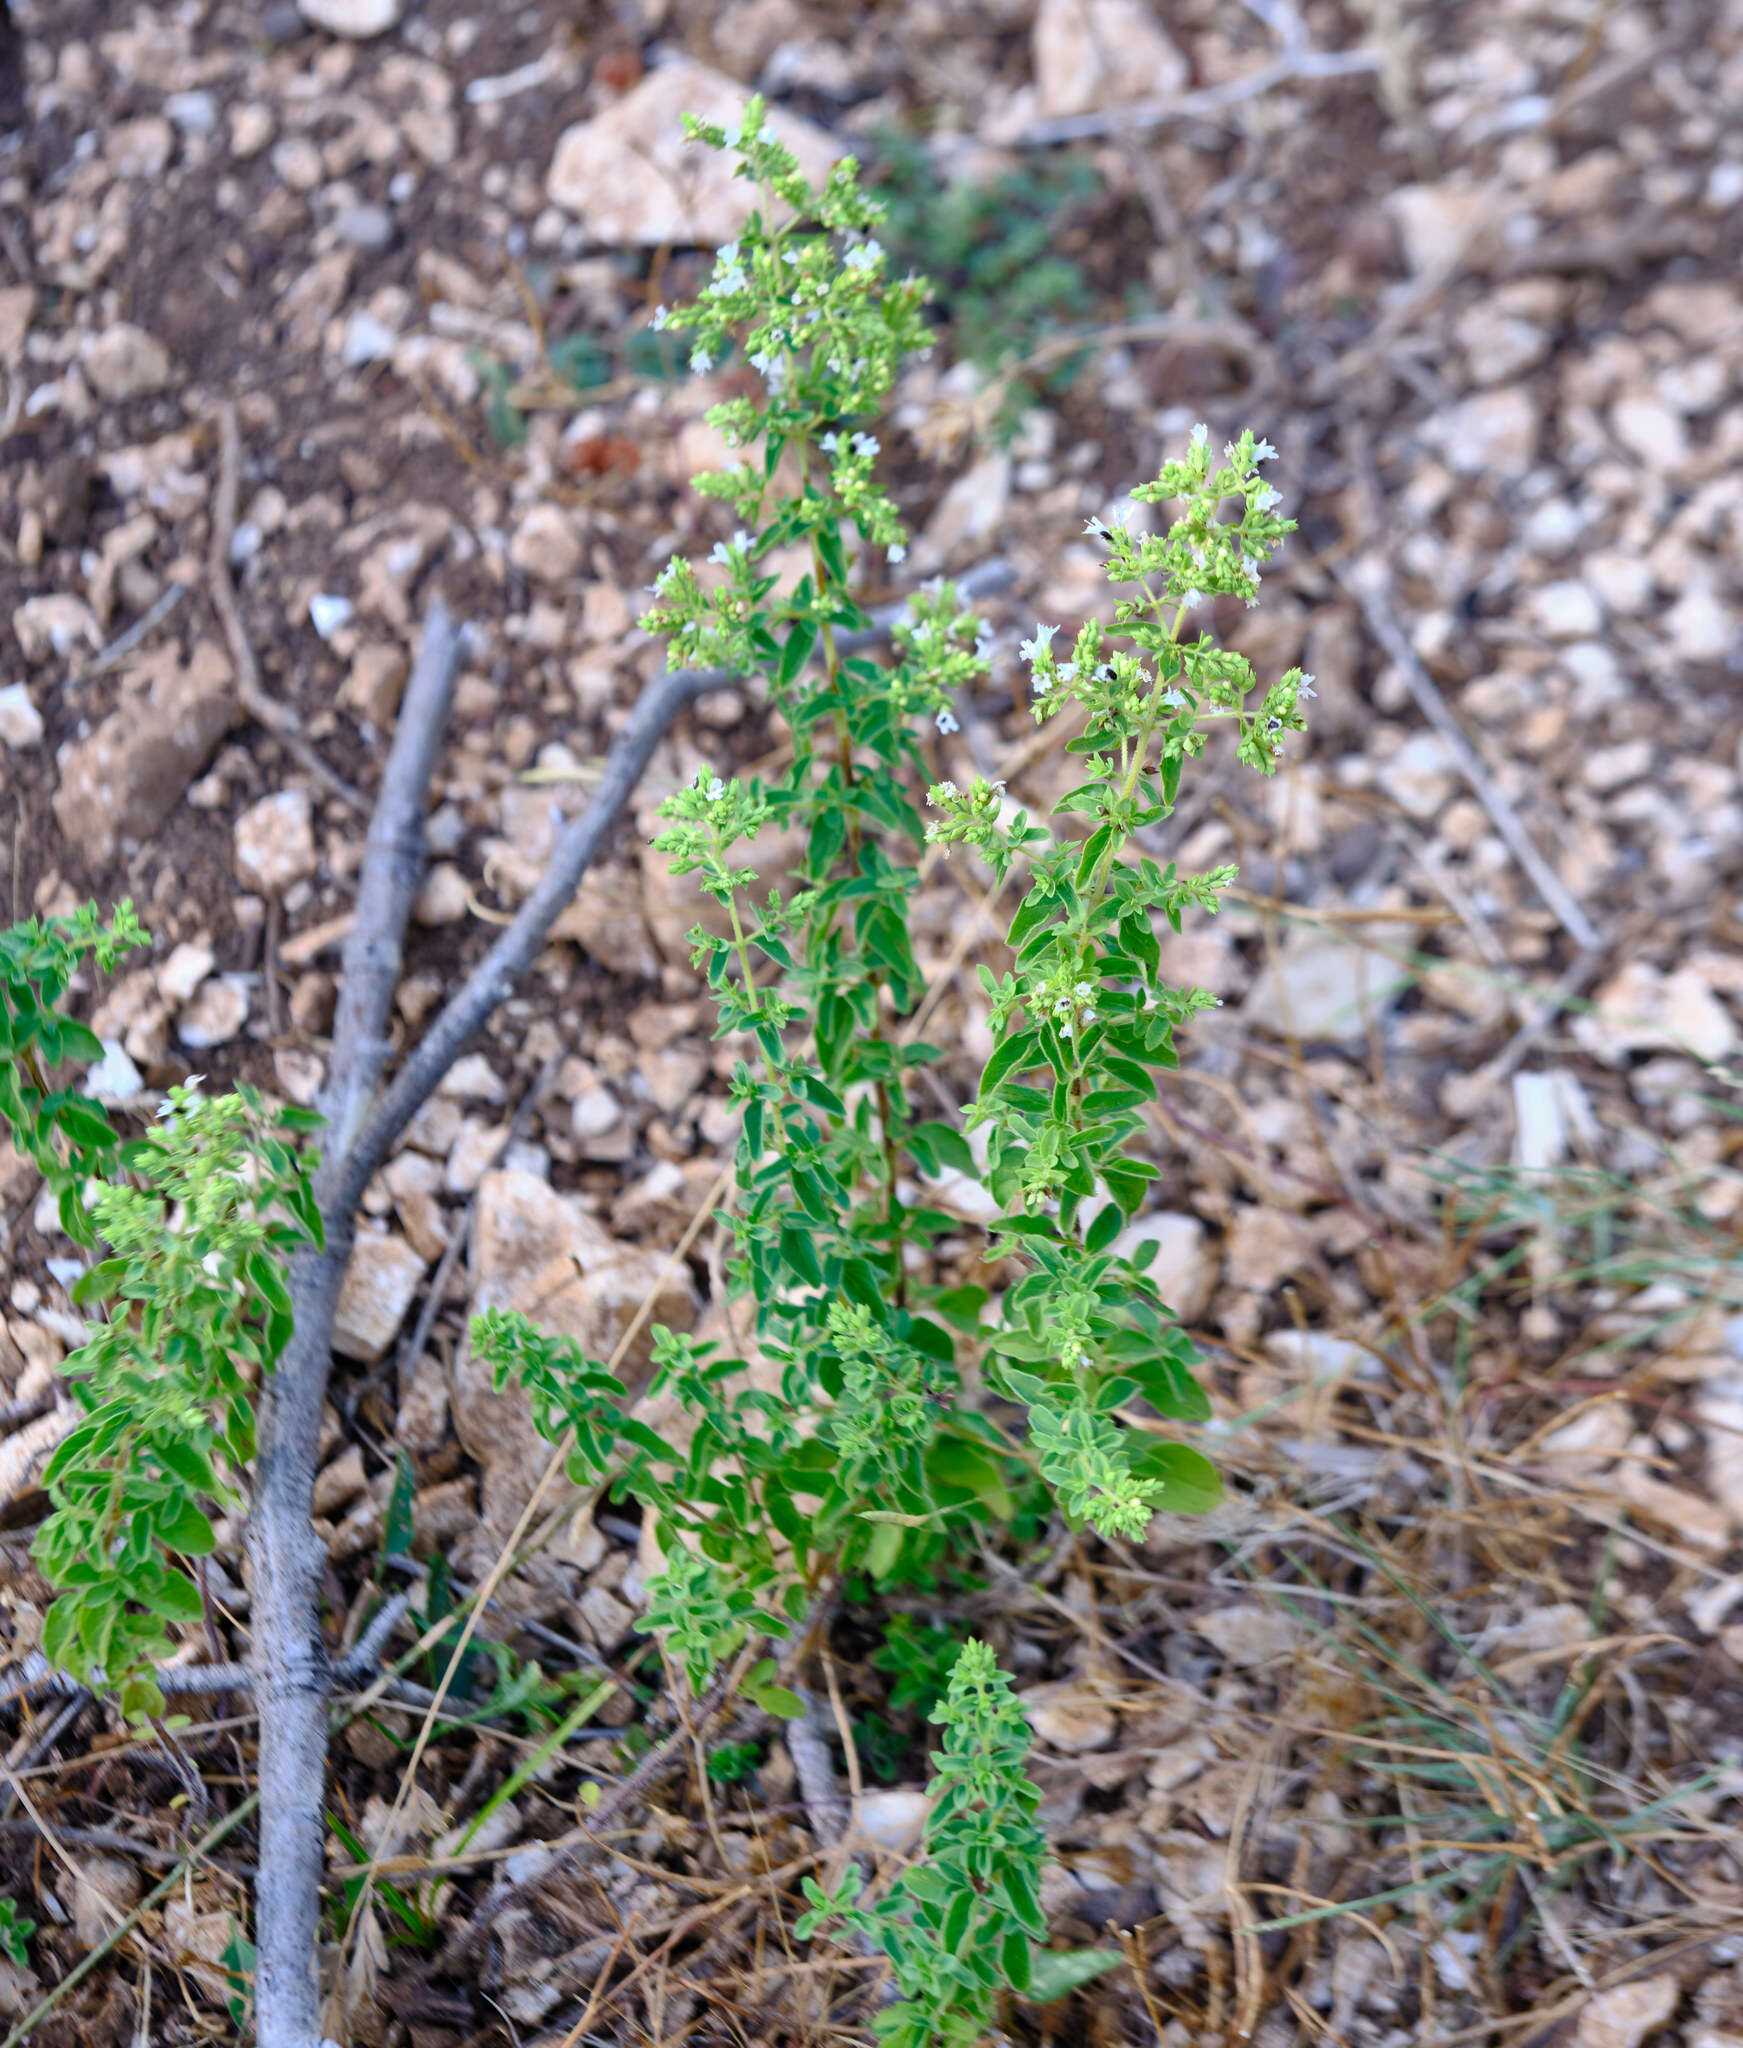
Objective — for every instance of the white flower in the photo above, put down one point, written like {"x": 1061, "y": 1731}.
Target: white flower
{"x": 1067, "y": 671}
{"x": 1041, "y": 647}
{"x": 867, "y": 445}
{"x": 731, "y": 279}
{"x": 1089, "y": 1016}
{"x": 1083, "y": 991}
{"x": 943, "y": 789}
{"x": 1305, "y": 688}
{"x": 716, "y": 790}
{"x": 701, "y": 361}
{"x": 946, "y": 723}
{"x": 1097, "y": 528}
{"x": 768, "y": 138}
{"x": 661, "y": 315}
{"x": 1189, "y": 598}
{"x": 1263, "y": 452}
{"x": 1173, "y": 699}
{"x": 1200, "y": 437}
{"x": 864, "y": 257}
{"x": 1268, "y": 497}
{"x": 726, "y": 253}
{"x": 898, "y": 551}
{"x": 830, "y": 443}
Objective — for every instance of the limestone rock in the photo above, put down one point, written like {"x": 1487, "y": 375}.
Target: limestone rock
{"x": 125, "y": 362}
{"x": 357, "y": 19}
{"x": 1623, "y": 2018}
{"x": 104, "y": 1891}
{"x": 546, "y": 546}
{"x": 1251, "y": 1634}
{"x": 540, "y": 1252}
{"x": 893, "y": 1818}
{"x": 631, "y": 179}
{"x": 380, "y": 1281}
{"x": 1494, "y": 433}
{"x": 1090, "y": 54}
{"x": 215, "y": 1016}
{"x": 1185, "y": 1264}
{"x": 130, "y": 774}
{"x": 1067, "y": 1716}
{"x": 275, "y": 842}
{"x": 54, "y": 624}
{"x": 1322, "y": 989}
{"x": 20, "y": 721}
{"x": 1642, "y": 1010}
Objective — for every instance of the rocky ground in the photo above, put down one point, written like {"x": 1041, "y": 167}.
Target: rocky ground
{"x": 1448, "y": 1191}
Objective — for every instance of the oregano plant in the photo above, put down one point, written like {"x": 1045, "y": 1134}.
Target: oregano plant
{"x": 199, "y": 1214}
{"x": 873, "y": 1459}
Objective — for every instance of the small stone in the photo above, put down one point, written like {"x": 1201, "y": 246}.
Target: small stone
{"x": 1091, "y": 54}
{"x": 968, "y": 514}
{"x": 1651, "y": 430}
{"x": 672, "y": 1077}
{"x": 594, "y": 1112}
{"x": 54, "y": 625}
{"x": 1068, "y": 1717}
{"x": 631, "y": 179}
{"x": 184, "y": 970}
{"x": 1493, "y": 433}
{"x": 327, "y": 613}
{"x": 1621, "y": 581}
{"x": 214, "y": 1017}
{"x": 105, "y": 1890}
{"x": 358, "y": 19}
{"x": 445, "y": 896}
{"x": 383, "y": 1275}
{"x": 546, "y": 546}
{"x": 194, "y": 113}
{"x": 1608, "y": 768}
{"x": 297, "y": 162}
{"x": 1567, "y": 610}
{"x": 1185, "y": 1265}
{"x": 20, "y": 721}
{"x": 367, "y": 340}
{"x": 1256, "y": 1633}
{"x": 141, "y": 148}
{"x": 1419, "y": 778}
{"x": 1265, "y": 1246}
{"x": 1641, "y": 1010}
{"x": 1322, "y": 989}
{"x": 365, "y": 228}
{"x": 473, "y": 1079}
{"x": 1437, "y": 223}
{"x": 894, "y": 1819}
{"x": 1701, "y": 625}
{"x": 377, "y": 676}
{"x": 476, "y": 1149}
{"x": 113, "y": 1078}
{"x": 1498, "y": 344}
{"x": 251, "y": 126}
{"x": 275, "y": 843}
{"x": 1623, "y": 2018}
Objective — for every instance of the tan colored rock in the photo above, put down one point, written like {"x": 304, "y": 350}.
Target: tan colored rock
{"x": 382, "y": 1278}
{"x": 1068, "y": 1716}
{"x": 535, "y": 1250}
{"x": 1185, "y": 1264}
{"x": 631, "y": 179}
{"x": 443, "y": 899}
{"x": 1322, "y": 989}
{"x": 478, "y": 1145}
{"x": 20, "y": 721}
{"x": 105, "y": 1890}
{"x": 53, "y": 625}
{"x": 1254, "y": 1633}
{"x": 892, "y": 1818}
{"x": 606, "y": 919}
{"x": 1624, "y": 2017}
{"x": 355, "y": 19}
{"x": 216, "y": 1014}
{"x": 17, "y": 310}
{"x": 130, "y": 774}
{"x": 125, "y": 362}
{"x": 547, "y": 546}
{"x": 275, "y": 842}
{"x": 1642, "y": 1010}
{"x": 377, "y": 676}
{"x": 1090, "y": 54}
